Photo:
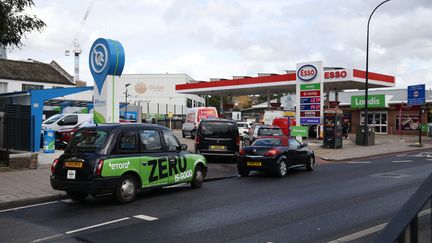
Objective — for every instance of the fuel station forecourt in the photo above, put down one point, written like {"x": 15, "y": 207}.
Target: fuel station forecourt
{"x": 310, "y": 81}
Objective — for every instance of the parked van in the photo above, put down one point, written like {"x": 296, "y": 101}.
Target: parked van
{"x": 61, "y": 121}
{"x": 285, "y": 124}
{"x": 194, "y": 116}
{"x": 218, "y": 138}
{"x": 269, "y": 116}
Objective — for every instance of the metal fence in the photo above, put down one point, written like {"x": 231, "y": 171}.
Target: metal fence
{"x": 405, "y": 225}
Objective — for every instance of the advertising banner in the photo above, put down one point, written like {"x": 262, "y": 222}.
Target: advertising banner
{"x": 416, "y": 95}
{"x": 299, "y": 131}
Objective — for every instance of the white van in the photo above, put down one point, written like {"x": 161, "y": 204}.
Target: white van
{"x": 61, "y": 121}
{"x": 194, "y": 116}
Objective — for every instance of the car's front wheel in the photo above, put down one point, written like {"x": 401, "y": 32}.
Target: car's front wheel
{"x": 310, "y": 164}
{"x": 126, "y": 189}
{"x": 77, "y": 196}
{"x": 183, "y": 134}
{"x": 198, "y": 177}
{"x": 282, "y": 168}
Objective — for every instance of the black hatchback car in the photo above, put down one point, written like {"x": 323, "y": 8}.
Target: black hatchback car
{"x": 218, "y": 138}
{"x": 275, "y": 155}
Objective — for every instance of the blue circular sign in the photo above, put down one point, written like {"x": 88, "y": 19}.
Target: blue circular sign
{"x": 307, "y": 72}
{"x": 98, "y": 58}
{"x": 106, "y": 58}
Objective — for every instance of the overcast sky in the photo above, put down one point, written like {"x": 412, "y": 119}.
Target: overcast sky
{"x": 223, "y": 38}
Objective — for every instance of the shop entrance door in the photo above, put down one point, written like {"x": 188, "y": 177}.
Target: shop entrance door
{"x": 378, "y": 119}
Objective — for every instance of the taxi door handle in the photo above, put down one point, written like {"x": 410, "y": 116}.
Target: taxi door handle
{"x": 144, "y": 163}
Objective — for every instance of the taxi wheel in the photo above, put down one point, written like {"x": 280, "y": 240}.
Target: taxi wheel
{"x": 310, "y": 164}
{"x": 193, "y": 134}
{"x": 126, "y": 189}
{"x": 183, "y": 135}
{"x": 282, "y": 168}
{"x": 77, "y": 196}
{"x": 198, "y": 177}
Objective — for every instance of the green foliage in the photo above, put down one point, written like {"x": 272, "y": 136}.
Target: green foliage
{"x": 15, "y": 24}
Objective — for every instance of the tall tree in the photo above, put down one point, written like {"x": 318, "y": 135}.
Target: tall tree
{"x": 15, "y": 24}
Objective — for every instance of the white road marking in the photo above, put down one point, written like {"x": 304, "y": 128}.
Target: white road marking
{"x": 429, "y": 159}
{"x": 370, "y": 230}
{"x": 28, "y": 206}
{"x": 359, "y": 162}
{"x": 401, "y": 155}
{"x": 48, "y": 238}
{"x": 96, "y": 225}
{"x": 145, "y": 217}
{"x": 69, "y": 201}
{"x": 402, "y": 161}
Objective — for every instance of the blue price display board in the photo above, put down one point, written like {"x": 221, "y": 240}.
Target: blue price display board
{"x": 310, "y": 120}
{"x": 310, "y": 100}
{"x": 312, "y": 107}
{"x": 416, "y": 94}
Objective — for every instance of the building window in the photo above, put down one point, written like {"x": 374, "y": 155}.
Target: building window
{"x": 3, "y": 87}
{"x": 57, "y": 87}
{"x": 31, "y": 86}
{"x": 188, "y": 103}
{"x": 377, "y": 119}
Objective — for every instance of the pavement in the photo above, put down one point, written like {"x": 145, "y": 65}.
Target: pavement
{"x": 24, "y": 186}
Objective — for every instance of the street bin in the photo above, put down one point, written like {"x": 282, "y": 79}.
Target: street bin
{"x": 360, "y": 135}
{"x": 49, "y": 141}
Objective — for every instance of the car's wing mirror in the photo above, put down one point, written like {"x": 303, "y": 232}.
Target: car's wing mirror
{"x": 183, "y": 146}
{"x": 304, "y": 145}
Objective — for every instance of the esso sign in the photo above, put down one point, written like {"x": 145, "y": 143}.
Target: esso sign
{"x": 307, "y": 72}
{"x": 335, "y": 74}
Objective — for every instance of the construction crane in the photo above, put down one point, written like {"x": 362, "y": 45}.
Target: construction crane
{"x": 76, "y": 45}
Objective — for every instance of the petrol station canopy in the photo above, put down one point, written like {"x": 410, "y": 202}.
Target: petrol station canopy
{"x": 335, "y": 79}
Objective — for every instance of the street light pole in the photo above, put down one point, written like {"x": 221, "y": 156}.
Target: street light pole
{"x": 367, "y": 77}
{"x": 126, "y": 97}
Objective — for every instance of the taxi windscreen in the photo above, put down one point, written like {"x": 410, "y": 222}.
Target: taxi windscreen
{"x": 88, "y": 140}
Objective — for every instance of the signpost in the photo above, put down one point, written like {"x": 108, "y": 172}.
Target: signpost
{"x": 106, "y": 61}
{"x": 416, "y": 96}
{"x": 309, "y": 93}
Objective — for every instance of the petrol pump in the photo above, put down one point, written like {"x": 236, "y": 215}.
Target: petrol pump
{"x": 333, "y": 128}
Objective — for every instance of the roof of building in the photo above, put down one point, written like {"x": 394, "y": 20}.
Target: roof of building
{"x": 393, "y": 96}
{"x": 33, "y": 71}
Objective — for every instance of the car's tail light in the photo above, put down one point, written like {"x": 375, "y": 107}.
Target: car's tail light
{"x": 242, "y": 152}
{"x": 54, "y": 164}
{"x": 99, "y": 166}
{"x": 238, "y": 140}
{"x": 271, "y": 152}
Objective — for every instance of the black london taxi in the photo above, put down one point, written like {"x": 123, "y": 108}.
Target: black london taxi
{"x": 122, "y": 159}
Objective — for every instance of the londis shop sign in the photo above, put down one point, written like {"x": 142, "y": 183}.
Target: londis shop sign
{"x": 374, "y": 101}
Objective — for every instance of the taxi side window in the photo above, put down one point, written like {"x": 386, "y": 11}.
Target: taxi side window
{"x": 150, "y": 140}
{"x": 128, "y": 142}
{"x": 171, "y": 142}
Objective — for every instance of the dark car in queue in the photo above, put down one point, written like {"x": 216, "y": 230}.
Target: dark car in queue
{"x": 121, "y": 159}
{"x": 275, "y": 155}
{"x": 265, "y": 131}
{"x": 218, "y": 139}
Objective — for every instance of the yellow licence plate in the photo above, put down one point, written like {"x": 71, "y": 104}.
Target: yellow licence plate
{"x": 252, "y": 163}
{"x": 217, "y": 147}
{"x": 73, "y": 164}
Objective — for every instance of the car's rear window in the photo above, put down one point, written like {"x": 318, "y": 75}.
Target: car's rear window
{"x": 270, "y": 132}
{"x": 88, "y": 140}
{"x": 267, "y": 142}
{"x": 218, "y": 129}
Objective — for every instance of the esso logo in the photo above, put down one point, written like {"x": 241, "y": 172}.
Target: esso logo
{"x": 335, "y": 74}
{"x": 307, "y": 72}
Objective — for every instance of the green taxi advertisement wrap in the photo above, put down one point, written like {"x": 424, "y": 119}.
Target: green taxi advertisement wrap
{"x": 155, "y": 171}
